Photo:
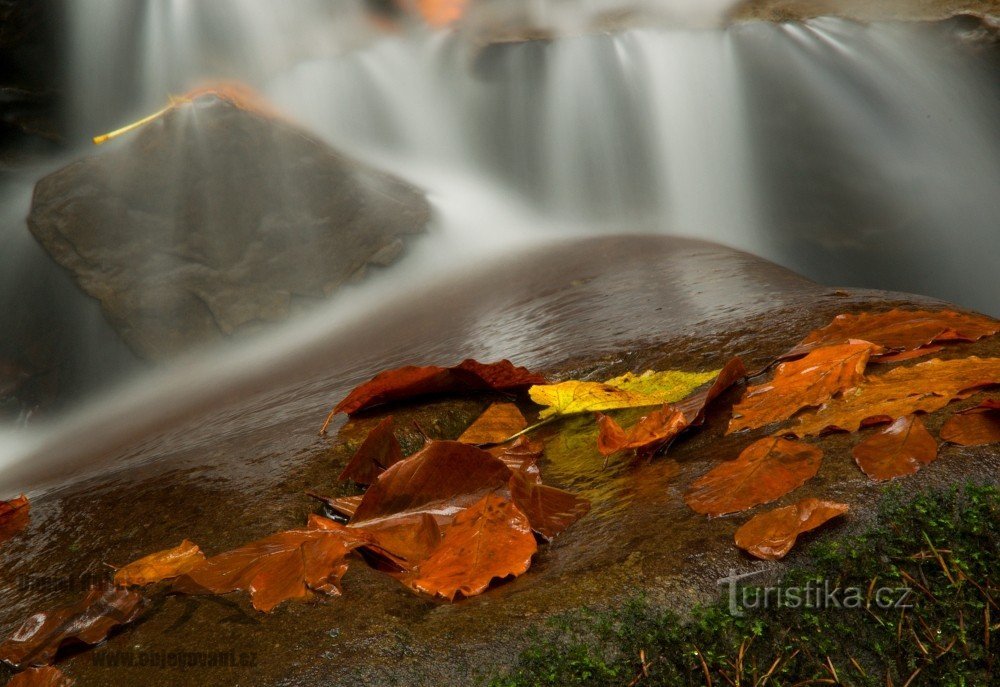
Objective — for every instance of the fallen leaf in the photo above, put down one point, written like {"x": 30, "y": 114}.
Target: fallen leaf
{"x": 441, "y": 479}
{"x": 89, "y": 621}
{"x": 283, "y": 566}
{"x": 521, "y": 455}
{"x": 899, "y": 330}
{"x": 410, "y": 539}
{"x": 974, "y": 427}
{"x": 496, "y": 425}
{"x": 900, "y": 449}
{"x": 14, "y": 517}
{"x": 627, "y": 391}
{"x": 771, "y": 535}
{"x": 549, "y": 510}
{"x": 807, "y": 382}
{"x": 491, "y": 539}
{"x": 409, "y": 382}
{"x": 660, "y": 427}
{"x": 345, "y": 505}
{"x": 163, "y": 565}
{"x": 925, "y": 387}
{"x": 46, "y": 676}
{"x": 766, "y": 470}
{"x": 378, "y": 451}
{"x": 440, "y": 13}
{"x": 907, "y": 355}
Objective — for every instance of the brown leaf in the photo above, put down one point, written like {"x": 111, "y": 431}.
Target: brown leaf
{"x": 974, "y": 427}
{"x": 163, "y": 565}
{"x": 490, "y": 539}
{"x": 46, "y": 676}
{"x": 900, "y": 330}
{"x": 345, "y": 505}
{"x": 900, "y": 449}
{"x": 549, "y": 510}
{"x": 660, "y": 427}
{"x": 926, "y": 387}
{"x": 440, "y": 479}
{"x": 803, "y": 383}
{"x": 521, "y": 455}
{"x": 14, "y": 517}
{"x": 500, "y": 421}
{"x": 409, "y": 382}
{"x": 287, "y": 565}
{"x": 88, "y": 621}
{"x": 907, "y": 355}
{"x": 766, "y": 470}
{"x": 379, "y": 450}
{"x": 771, "y": 535}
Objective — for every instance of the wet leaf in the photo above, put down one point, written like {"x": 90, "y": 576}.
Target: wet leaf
{"x": 410, "y": 382}
{"x": 766, "y": 470}
{"x": 441, "y": 13}
{"x": 521, "y": 455}
{"x": 549, "y": 510}
{"x": 409, "y": 539}
{"x": 497, "y": 424}
{"x": 46, "y": 676}
{"x": 627, "y": 391}
{"x": 88, "y": 621}
{"x": 974, "y": 427}
{"x": 490, "y": 540}
{"x": 345, "y": 505}
{"x": 163, "y": 565}
{"x": 14, "y": 517}
{"x": 926, "y": 387}
{"x": 898, "y": 450}
{"x": 899, "y": 330}
{"x": 283, "y": 566}
{"x": 378, "y": 451}
{"x": 807, "y": 382}
{"x": 694, "y": 406}
{"x": 771, "y": 535}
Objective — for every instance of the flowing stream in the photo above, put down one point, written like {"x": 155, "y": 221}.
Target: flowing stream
{"x": 855, "y": 155}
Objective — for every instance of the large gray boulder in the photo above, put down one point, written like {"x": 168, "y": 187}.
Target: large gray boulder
{"x": 216, "y": 219}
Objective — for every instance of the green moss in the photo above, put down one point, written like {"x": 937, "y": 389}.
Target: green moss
{"x": 942, "y": 545}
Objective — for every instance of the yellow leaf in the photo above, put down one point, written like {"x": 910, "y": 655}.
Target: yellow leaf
{"x": 627, "y": 391}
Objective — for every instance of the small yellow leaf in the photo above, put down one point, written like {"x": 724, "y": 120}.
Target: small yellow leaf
{"x": 627, "y": 391}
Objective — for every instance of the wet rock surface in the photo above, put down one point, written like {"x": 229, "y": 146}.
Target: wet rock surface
{"x": 216, "y": 220}
{"x": 987, "y": 11}
{"x": 226, "y": 465}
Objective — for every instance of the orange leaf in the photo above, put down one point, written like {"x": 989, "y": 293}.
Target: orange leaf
{"x": 766, "y": 470}
{"x": 925, "y": 388}
{"x": 900, "y": 449}
{"x": 500, "y": 421}
{"x": 442, "y": 12}
{"x": 907, "y": 355}
{"x": 974, "y": 427}
{"x": 378, "y": 451}
{"x": 345, "y": 505}
{"x": 900, "y": 330}
{"x": 772, "y": 535}
{"x": 163, "y": 565}
{"x": 521, "y": 456}
{"x": 409, "y": 382}
{"x": 803, "y": 383}
{"x": 491, "y": 539}
{"x": 287, "y": 565}
{"x": 14, "y": 516}
{"x": 88, "y": 621}
{"x": 41, "y": 677}
{"x": 549, "y": 510}
{"x": 694, "y": 406}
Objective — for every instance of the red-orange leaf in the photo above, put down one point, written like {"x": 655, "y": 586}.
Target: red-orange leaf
{"x": 500, "y": 421}
{"x": 163, "y": 565}
{"x": 46, "y": 676}
{"x": 694, "y": 406}
{"x": 409, "y": 382}
{"x": 766, "y": 470}
{"x": 799, "y": 384}
{"x": 974, "y": 427}
{"x": 14, "y": 516}
{"x": 345, "y": 505}
{"x": 287, "y": 565}
{"x": 772, "y": 535}
{"x": 521, "y": 456}
{"x": 900, "y": 449}
{"x": 900, "y": 330}
{"x": 379, "y": 450}
{"x": 549, "y": 510}
{"x": 489, "y": 540}
{"x": 89, "y": 621}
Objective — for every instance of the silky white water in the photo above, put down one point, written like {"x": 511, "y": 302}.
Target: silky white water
{"x": 857, "y": 155}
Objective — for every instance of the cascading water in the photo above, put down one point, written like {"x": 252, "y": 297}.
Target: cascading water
{"x": 864, "y": 155}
